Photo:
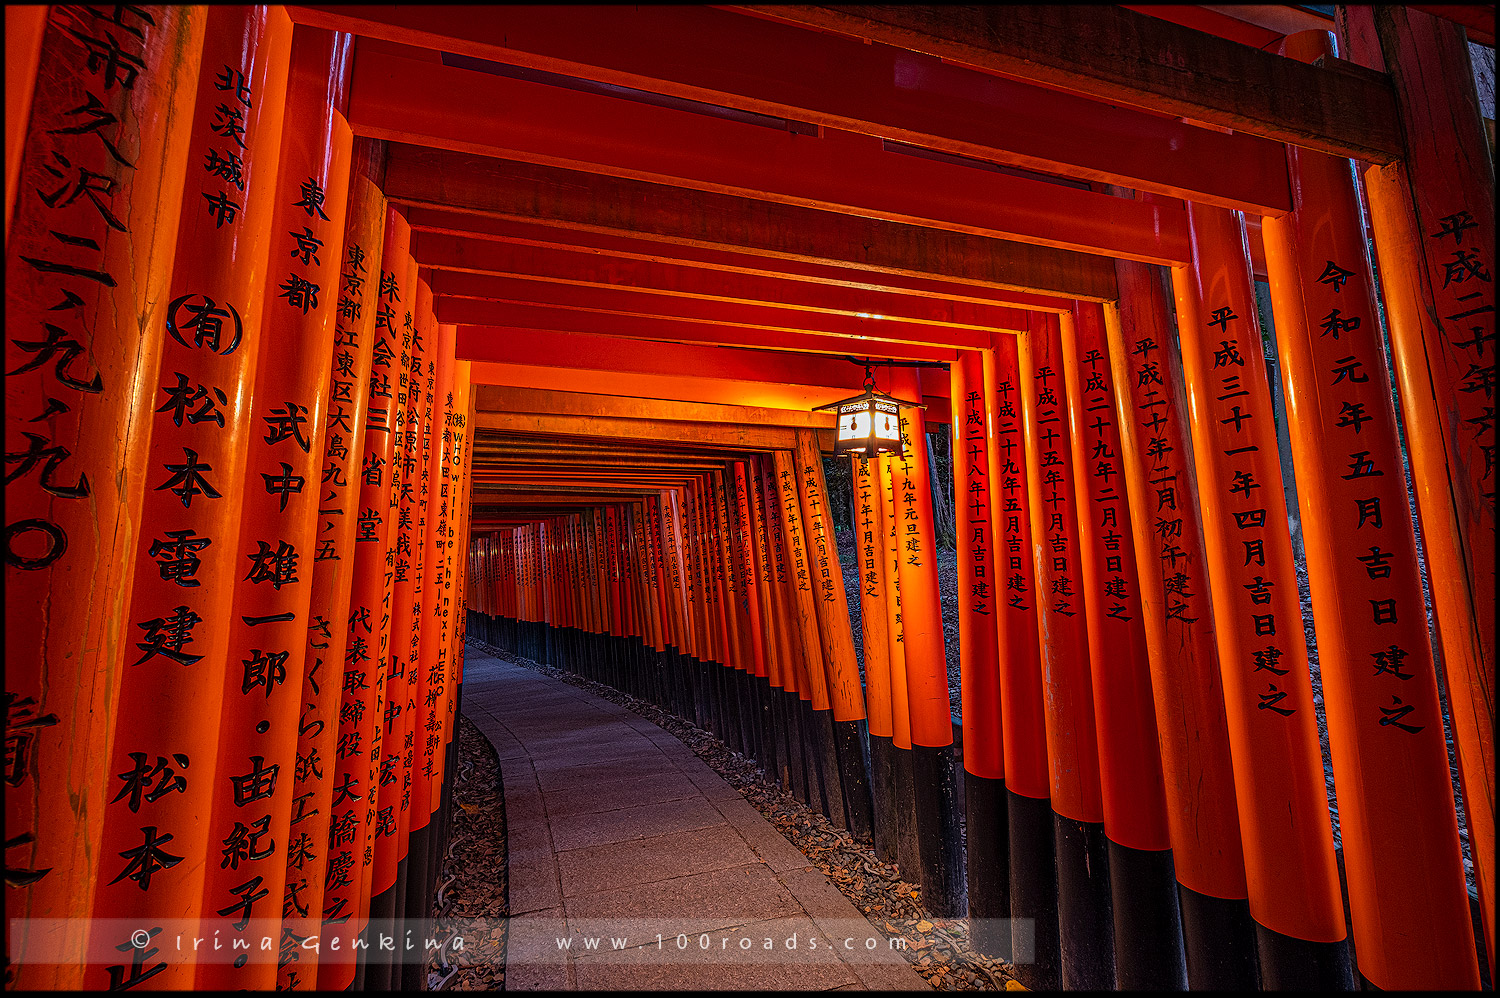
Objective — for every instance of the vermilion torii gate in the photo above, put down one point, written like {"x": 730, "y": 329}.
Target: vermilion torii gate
{"x": 526, "y": 310}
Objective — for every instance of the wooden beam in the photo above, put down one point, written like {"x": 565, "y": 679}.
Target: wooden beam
{"x": 420, "y": 103}
{"x": 681, "y": 387}
{"x": 479, "y": 230}
{"x": 1114, "y": 54}
{"x": 502, "y": 291}
{"x": 618, "y": 354}
{"x": 462, "y": 268}
{"x": 491, "y": 398}
{"x": 507, "y": 320}
{"x": 723, "y": 436}
{"x": 1478, "y": 19}
{"x": 727, "y": 59}
{"x": 568, "y": 198}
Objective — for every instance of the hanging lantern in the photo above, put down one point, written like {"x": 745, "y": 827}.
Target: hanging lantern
{"x": 869, "y": 423}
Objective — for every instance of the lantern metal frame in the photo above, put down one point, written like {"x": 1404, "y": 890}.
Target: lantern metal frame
{"x": 869, "y": 401}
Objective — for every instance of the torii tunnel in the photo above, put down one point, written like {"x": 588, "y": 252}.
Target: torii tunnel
{"x": 340, "y": 337}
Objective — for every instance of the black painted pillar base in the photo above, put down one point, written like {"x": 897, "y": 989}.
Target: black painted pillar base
{"x": 1219, "y": 941}
{"x": 828, "y": 768}
{"x": 728, "y": 708}
{"x": 883, "y": 797}
{"x": 714, "y": 698}
{"x": 377, "y": 962}
{"x": 403, "y": 874}
{"x": 693, "y": 668}
{"x": 358, "y": 984}
{"x": 744, "y": 699}
{"x": 780, "y": 772}
{"x": 755, "y": 718}
{"x": 687, "y": 676}
{"x": 734, "y": 678}
{"x": 410, "y": 973}
{"x": 771, "y": 764}
{"x": 676, "y": 688}
{"x": 703, "y": 692}
{"x": 812, "y": 755}
{"x": 711, "y": 696}
{"x": 438, "y": 822}
{"x": 854, "y": 779}
{"x": 796, "y": 746}
{"x": 987, "y": 851}
{"x": 935, "y": 793}
{"x": 1084, "y": 923}
{"x": 1033, "y": 892}
{"x": 908, "y": 856}
{"x": 1148, "y": 929}
{"x": 1291, "y": 964}
{"x": 731, "y": 708}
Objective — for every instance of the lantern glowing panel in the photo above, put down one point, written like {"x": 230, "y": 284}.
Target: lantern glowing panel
{"x": 869, "y": 423}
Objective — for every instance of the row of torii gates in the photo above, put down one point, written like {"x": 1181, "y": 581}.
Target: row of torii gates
{"x": 525, "y": 311}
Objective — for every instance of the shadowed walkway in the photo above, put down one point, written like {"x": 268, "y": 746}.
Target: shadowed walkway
{"x": 618, "y": 832}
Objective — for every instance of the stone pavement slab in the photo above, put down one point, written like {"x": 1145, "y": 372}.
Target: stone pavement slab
{"x": 634, "y": 866}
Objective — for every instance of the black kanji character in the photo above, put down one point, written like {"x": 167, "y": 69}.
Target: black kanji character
{"x": 1454, "y": 225}
{"x": 230, "y": 123}
{"x": 285, "y": 423}
{"x": 1335, "y": 323}
{"x": 139, "y": 779}
{"x": 1352, "y": 414}
{"x": 66, "y": 349}
{"x": 248, "y": 893}
{"x": 1388, "y": 662}
{"x": 95, "y": 110}
{"x": 234, "y": 80}
{"x": 188, "y": 479}
{"x": 147, "y": 858}
{"x": 118, "y": 65}
{"x": 138, "y": 957}
{"x": 307, "y": 246}
{"x": 167, "y": 636}
{"x": 180, "y": 397}
{"x": 284, "y": 485}
{"x": 227, "y": 167}
{"x": 299, "y": 293}
{"x": 312, "y": 198}
{"x": 1335, "y": 275}
{"x": 277, "y": 567}
{"x": 21, "y": 722}
{"x": 1465, "y": 264}
{"x": 222, "y": 209}
{"x": 257, "y": 784}
{"x": 207, "y": 323}
{"x": 242, "y": 843}
{"x": 1268, "y": 701}
{"x": 55, "y": 455}
{"x": 266, "y": 669}
{"x": 1393, "y": 715}
{"x": 1228, "y": 352}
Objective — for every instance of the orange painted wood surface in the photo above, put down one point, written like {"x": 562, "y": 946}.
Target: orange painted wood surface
{"x": 1193, "y": 736}
{"x": 1288, "y": 839}
{"x": 152, "y": 858}
{"x": 85, "y": 338}
{"x": 1062, "y": 632}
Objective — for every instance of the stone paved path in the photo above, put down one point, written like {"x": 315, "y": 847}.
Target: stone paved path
{"x": 619, "y": 833}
